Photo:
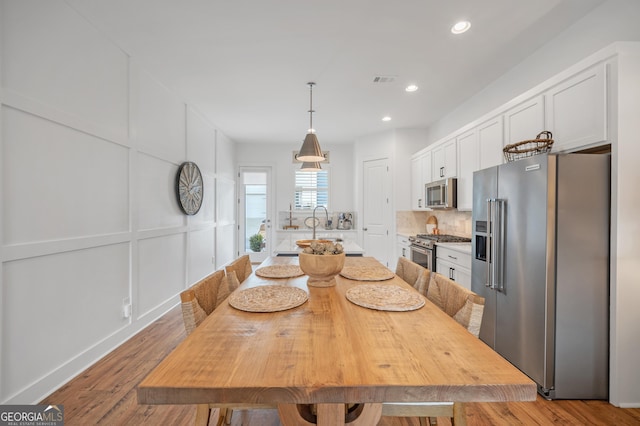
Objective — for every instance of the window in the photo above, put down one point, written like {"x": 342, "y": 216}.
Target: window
{"x": 312, "y": 189}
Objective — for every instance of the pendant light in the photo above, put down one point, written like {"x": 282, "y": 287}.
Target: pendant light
{"x": 309, "y": 166}
{"x": 310, "y": 151}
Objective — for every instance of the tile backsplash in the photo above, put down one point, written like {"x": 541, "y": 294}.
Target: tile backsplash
{"x": 449, "y": 222}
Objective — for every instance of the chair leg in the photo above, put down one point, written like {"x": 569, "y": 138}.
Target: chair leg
{"x": 425, "y": 421}
{"x": 227, "y": 417}
{"x": 222, "y": 414}
{"x": 202, "y": 415}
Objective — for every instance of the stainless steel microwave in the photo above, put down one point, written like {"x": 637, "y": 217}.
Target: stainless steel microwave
{"x": 441, "y": 194}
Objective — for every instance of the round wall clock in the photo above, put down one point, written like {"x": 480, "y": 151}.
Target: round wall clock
{"x": 189, "y": 188}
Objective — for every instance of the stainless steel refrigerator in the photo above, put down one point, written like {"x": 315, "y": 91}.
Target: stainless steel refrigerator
{"x": 541, "y": 261}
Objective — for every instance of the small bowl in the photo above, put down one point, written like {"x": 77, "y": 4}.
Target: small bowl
{"x": 321, "y": 269}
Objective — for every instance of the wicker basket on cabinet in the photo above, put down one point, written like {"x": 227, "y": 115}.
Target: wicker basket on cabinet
{"x": 540, "y": 145}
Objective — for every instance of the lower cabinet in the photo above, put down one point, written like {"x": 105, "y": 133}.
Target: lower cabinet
{"x": 403, "y": 246}
{"x": 454, "y": 263}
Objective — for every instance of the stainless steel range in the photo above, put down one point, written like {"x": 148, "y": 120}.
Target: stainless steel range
{"x": 423, "y": 247}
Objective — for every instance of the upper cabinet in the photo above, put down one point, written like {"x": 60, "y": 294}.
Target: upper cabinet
{"x": 444, "y": 160}
{"x": 417, "y": 198}
{"x": 478, "y": 148}
{"x": 524, "y": 121}
{"x": 576, "y": 110}
{"x": 420, "y": 174}
{"x": 468, "y": 163}
{"x": 572, "y": 105}
{"x": 490, "y": 143}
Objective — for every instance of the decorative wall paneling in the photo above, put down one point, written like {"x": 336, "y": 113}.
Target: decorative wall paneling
{"x": 90, "y": 145}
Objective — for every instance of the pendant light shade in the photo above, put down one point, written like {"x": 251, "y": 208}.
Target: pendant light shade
{"x": 310, "y": 167}
{"x": 310, "y": 151}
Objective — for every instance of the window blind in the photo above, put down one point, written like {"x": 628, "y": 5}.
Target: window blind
{"x": 312, "y": 189}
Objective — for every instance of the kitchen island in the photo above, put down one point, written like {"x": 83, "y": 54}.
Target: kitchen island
{"x": 288, "y": 247}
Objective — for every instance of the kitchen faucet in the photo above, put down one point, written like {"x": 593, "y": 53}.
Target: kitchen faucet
{"x": 314, "y": 219}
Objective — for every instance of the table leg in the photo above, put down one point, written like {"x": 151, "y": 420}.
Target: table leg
{"x": 330, "y": 415}
{"x": 459, "y": 414}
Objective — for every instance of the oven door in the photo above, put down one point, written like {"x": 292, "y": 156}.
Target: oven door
{"x": 422, "y": 256}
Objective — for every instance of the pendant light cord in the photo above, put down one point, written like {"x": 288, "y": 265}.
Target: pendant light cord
{"x": 311, "y": 107}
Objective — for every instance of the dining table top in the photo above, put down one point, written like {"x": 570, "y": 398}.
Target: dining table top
{"x": 331, "y": 350}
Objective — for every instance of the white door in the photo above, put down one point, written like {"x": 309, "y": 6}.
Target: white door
{"x": 376, "y": 211}
{"x": 254, "y": 209}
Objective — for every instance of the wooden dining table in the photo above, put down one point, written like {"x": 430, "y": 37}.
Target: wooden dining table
{"x": 332, "y": 353}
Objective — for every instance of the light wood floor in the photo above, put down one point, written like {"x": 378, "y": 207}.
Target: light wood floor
{"x": 106, "y": 394}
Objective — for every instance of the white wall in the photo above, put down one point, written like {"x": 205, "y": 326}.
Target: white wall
{"x": 90, "y": 147}
{"x": 613, "y": 21}
{"x": 625, "y": 245}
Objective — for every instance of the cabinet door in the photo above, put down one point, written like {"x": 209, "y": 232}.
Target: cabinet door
{"x": 417, "y": 185}
{"x": 450, "y": 159}
{"x": 444, "y": 160}
{"x": 468, "y": 163}
{"x": 403, "y": 246}
{"x": 576, "y": 110}
{"x": 456, "y": 273}
{"x": 463, "y": 277}
{"x": 490, "y": 143}
{"x": 426, "y": 169}
{"x": 403, "y": 251}
{"x": 524, "y": 121}
{"x": 437, "y": 172}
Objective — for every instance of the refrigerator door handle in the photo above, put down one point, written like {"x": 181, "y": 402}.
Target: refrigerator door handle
{"x": 498, "y": 244}
{"x": 488, "y": 245}
{"x": 493, "y": 231}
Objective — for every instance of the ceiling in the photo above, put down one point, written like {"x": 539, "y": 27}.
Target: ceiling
{"x": 245, "y": 64}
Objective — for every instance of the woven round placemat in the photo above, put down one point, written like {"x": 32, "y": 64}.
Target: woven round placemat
{"x": 268, "y": 298}
{"x": 366, "y": 273}
{"x": 279, "y": 271}
{"x": 384, "y": 297}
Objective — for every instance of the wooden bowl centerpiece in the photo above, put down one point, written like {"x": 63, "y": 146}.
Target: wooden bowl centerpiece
{"x": 307, "y": 243}
{"x": 322, "y": 262}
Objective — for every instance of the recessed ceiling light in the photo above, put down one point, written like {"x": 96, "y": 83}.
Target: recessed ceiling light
{"x": 386, "y": 118}
{"x": 411, "y": 88}
{"x": 461, "y": 27}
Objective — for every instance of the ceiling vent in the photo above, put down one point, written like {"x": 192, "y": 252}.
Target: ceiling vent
{"x": 384, "y": 79}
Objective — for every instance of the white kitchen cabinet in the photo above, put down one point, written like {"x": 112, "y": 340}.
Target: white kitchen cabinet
{"x": 403, "y": 246}
{"x": 426, "y": 168}
{"x": 467, "y": 164}
{"x": 420, "y": 174}
{"x": 444, "y": 160}
{"x": 490, "y": 143}
{"x": 417, "y": 197}
{"x": 524, "y": 121}
{"x": 454, "y": 261}
{"x": 576, "y": 110}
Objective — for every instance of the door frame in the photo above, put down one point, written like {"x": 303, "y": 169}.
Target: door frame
{"x": 240, "y": 230}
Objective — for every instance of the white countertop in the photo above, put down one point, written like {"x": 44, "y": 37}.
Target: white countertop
{"x": 461, "y": 247}
{"x": 289, "y": 247}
